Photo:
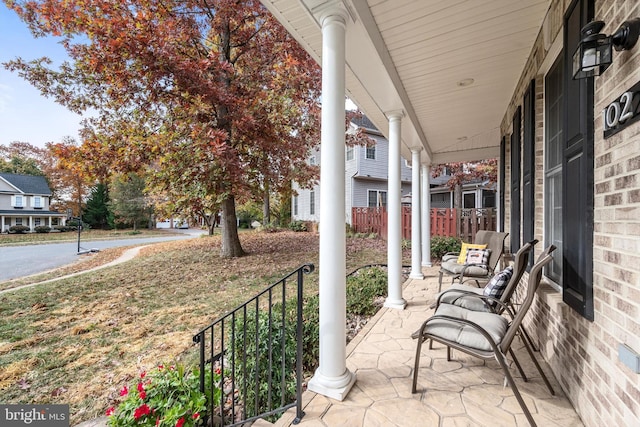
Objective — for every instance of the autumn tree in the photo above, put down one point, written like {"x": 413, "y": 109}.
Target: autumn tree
{"x": 462, "y": 172}
{"x": 212, "y": 98}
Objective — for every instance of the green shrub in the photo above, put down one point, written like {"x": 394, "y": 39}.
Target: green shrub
{"x": 19, "y": 229}
{"x": 42, "y": 229}
{"x": 253, "y": 364}
{"x": 363, "y": 288}
{"x": 440, "y": 245}
{"x": 298, "y": 226}
{"x": 62, "y": 228}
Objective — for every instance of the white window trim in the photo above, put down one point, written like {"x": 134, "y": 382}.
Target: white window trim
{"x": 375, "y": 152}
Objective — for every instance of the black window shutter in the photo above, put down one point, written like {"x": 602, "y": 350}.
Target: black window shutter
{"x": 529, "y": 166}
{"x": 577, "y": 172}
{"x": 503, "y": 165}
{"x": 514, "y": 233}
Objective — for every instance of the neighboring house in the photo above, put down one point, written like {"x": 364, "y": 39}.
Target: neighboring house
{"x": 366, "y": 171}
{"x": 24, "y": 200}
{"x": 475, "y": 194}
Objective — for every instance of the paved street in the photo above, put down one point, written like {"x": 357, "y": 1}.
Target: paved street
{"x": 20, "y": 261}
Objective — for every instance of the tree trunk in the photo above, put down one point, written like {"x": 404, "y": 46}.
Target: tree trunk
{"x": 457, "y": 204}
{"x": 266, "y": 207}
{"x": 231, "y": 247}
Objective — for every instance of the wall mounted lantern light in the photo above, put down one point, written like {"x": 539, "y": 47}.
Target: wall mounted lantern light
{"x": 593, "y": 55}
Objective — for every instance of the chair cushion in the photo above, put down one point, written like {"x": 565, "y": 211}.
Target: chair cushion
{"x": 494, "y": 324}
{"x": 453, "y": 267}
{"x": 465, "y": 247}
{"x": 478, "y": 256}
{"x": 459, "y": 295}
{"x": 498, "y": 283}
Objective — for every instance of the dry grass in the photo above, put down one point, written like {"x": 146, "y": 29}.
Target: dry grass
{"x": 78, "y": 340}
{"x": 72, "y": 236}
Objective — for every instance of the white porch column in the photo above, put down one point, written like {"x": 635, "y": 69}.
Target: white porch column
{"x": 426, "y": 216}
{"x": 2, "y": 224}
{"x": 416, "y": 208}
{"x": 30, "y": 223}
{"x": 394, "y": 215}
{"x": 332, "y": 378}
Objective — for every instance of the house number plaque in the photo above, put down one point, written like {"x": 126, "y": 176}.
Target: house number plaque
{"x": 622, "y": 112}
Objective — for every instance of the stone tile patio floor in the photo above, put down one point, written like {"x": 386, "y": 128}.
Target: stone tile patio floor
{"x": 464, "y": 392}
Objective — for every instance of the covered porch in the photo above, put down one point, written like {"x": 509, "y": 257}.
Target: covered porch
{"x": 463, "y": 392}
{"x": 462, "y": 81}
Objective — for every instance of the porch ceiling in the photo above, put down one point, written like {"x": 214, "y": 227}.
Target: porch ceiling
{"x": 411, "y": 55}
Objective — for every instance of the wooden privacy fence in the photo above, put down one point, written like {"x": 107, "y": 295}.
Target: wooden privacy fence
{"x": 462, "y": 223}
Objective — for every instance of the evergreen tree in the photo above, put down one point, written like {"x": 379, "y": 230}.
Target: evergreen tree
{"x": 97, "y": 213}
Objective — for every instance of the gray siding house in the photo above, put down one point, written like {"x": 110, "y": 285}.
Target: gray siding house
{"x": 24, "y": 200}
{"x": 366, "y": 172}
{"x": 365, "y": 178}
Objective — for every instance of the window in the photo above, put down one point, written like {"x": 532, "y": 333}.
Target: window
{"x": 469, "y": 200}
{"x": 377, "y": 199}
{"x": 37, "y": 222}
{"x": 371, "y": 152}
{"x": 312, "y": 160}
{"x": 37, "y": 202}
{"x": 553, "y": 167}
{"x": 295, "y": 205}
{"x": 488, "y": 199}
{"x": 349, "y": 153}
{"x": 18, "y": 221}
{"x": 18, "y": 201}
{"x": 312, "y": 203}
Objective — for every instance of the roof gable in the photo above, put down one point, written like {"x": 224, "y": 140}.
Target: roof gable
{"x": 28, "y": 184}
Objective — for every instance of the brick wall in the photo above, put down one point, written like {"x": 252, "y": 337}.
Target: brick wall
{"x": 584, "y": 355}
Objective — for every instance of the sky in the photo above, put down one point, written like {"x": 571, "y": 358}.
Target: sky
{"x": 26, "y": 115}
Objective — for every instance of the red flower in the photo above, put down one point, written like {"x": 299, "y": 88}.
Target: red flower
{"x": 140, "y": 387}
{"x": 124, "y": 391}
{"x": 195, "y": 416}
{"x": 180, "y": 422}
{"x": 110, "y": 411}
{"x": 141, "y": 411}
{"x": 218, "y": 371}
{"x": 143, "y": 374}
{"x": 157, "y": 421}
{"x": 160, "y": 367}
{"x": 142, "y": 394}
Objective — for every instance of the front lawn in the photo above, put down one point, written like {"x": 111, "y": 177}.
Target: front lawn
{"x": 72, "y": 236}
{"x": 79, "y": 340}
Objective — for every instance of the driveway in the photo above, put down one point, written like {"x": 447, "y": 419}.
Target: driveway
{"x": 20, "y": 261}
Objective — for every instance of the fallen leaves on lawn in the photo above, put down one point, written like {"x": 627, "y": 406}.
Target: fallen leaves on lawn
{"x": 79, "y": 340}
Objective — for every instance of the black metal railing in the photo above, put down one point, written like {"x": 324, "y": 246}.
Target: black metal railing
{"x": 247, "y": 366}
